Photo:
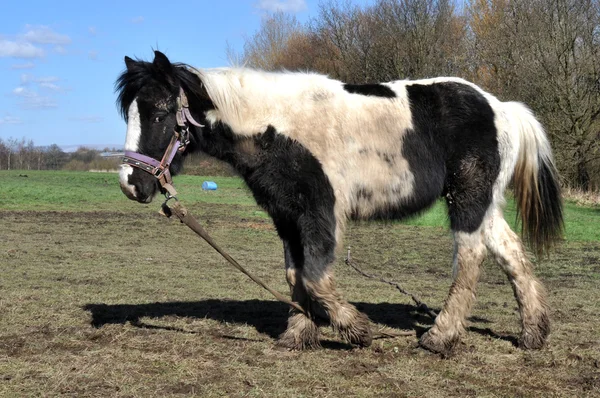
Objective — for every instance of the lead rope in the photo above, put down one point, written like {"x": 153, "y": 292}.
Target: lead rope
{"x": 186, "y": 218}
{"x": 421, "y": 306}
{"x": 189, "y": 220}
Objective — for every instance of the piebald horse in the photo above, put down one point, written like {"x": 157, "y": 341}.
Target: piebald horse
{"x": 316, "y": 152}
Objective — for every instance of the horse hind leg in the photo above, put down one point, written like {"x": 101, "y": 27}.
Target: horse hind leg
{"x": 469, "y": 253}
{"x": 468, "y": 196}
{"x": 509, "y": 253}
{"x": 302, "y": 331}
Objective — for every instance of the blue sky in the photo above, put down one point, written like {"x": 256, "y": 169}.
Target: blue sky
{"x": 59, "y": 59}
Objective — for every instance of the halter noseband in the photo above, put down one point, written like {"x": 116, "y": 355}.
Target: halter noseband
{"x": 179, "y": 141}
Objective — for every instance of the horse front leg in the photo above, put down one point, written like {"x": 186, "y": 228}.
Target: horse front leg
{"x": 346, "y": 320}
{"x": 302, "y": 331}
{"x": 311, "y": 282}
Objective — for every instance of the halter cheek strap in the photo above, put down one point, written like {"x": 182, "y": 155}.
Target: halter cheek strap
{"x": 178, "y": 143}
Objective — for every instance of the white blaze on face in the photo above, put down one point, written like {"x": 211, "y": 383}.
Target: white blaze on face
{"x": 134, "y": 131}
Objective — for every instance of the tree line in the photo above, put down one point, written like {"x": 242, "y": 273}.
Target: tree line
{"x": 23, "y": 154}
{"x": 545, "y": 53}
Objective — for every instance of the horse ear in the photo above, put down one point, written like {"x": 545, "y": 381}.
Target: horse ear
{"x": 162, "y": 63}
{"x": 130, "y": 63}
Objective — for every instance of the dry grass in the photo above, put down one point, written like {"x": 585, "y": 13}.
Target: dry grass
{"x": 582, "y": 198}
{"x": 110, "y": 304}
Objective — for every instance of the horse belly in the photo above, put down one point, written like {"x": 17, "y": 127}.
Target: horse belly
{"x": 391, "y": 190}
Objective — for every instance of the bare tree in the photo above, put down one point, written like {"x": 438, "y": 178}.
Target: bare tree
{"x": 4, "y": 153}
{"x": 547, "y": 54}
{"x": 13, "y": 145}
{"x": 55, "y": 158}
{"x": 426, "y": 36}
{"x": 392, "y": 39}
{"x": 267, "y": 48}
{"x": 566, "y": 48}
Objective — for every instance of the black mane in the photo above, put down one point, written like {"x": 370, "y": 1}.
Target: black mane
{"x": 140, "y": 73}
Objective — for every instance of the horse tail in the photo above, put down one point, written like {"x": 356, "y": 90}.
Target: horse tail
{"x": 536, "y": 182}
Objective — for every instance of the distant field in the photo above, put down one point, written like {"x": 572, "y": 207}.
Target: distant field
{"x": 101, "y": 296}
{"x": 81, "y": 191}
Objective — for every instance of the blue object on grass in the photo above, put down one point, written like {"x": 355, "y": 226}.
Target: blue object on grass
{"x": 209, "y": 186}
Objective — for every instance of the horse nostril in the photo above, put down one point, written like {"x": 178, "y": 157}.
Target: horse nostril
{"x": 142, "y": 198}
{"x": 143, "y": 193}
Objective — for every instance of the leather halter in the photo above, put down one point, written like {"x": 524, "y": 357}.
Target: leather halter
{"x": 179, "y": 141}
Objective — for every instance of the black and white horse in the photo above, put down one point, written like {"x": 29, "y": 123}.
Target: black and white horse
{"x": 315, "y": 151}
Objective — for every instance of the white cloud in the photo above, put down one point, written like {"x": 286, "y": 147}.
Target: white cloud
{"x": 19, "y": 49}
{"x": 32, "y": 100}
{"x": 87, "y": 119}
{"x": 33, "y": 43}
{"x": 46, "y": 83}
{"x": 139, "y": 19}
{"x": 51, "y": 86}
{"x": 281, "y": 5}
{"x": 39, "y": 102}
{"x": 60, "y": 50}
{"x": 23, "y": 92}
{"x": 93, "y": 31}
{"x": 93, "y": 55}
{"x": 10, "y": 120}
{"x": 44, "y": 35}
{"x": 27, "y": 78}
{"x": 26, "y": 65}
{"x": 47, "y": 79}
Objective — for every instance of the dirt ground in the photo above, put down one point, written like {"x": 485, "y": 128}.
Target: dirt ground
{"x": 97, "y": 304}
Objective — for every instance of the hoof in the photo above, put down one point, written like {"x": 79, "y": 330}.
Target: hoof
{"x": 534, "y": 337}
{"x": 296, "y": 344}
{"x": 359, "y": 333}
{"x": 301, "y": 334}
{"x": 438, "y": 345}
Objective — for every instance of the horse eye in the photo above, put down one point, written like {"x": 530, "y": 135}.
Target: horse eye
{"x": 159, "y": 118}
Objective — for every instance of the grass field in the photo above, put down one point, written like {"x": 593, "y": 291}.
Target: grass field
{"x": 100, "y": 296}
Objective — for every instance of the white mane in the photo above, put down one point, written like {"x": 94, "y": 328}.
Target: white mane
{"x": 249, "y": 100}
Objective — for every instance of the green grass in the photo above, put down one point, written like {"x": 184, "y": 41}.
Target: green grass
{"x": 84, "y": 191}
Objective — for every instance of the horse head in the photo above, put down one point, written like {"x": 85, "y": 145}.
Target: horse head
{"x": 156, "y": 100}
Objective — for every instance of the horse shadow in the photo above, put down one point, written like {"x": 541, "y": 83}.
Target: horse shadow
{"x": 267, "y": 317}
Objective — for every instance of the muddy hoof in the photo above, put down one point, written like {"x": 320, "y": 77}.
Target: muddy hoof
{"x": 532, "y": 341}
{"x": 359, "y": 333}
{"x": 307, "y": 339}
{"x": 296, "y": 344}
{"x": 438, "y": 345}
{"x": 534, "y": 337}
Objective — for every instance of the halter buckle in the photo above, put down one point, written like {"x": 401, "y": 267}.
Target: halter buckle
{"x": 184, "y": 138}
{"x": 158, "y": 172}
